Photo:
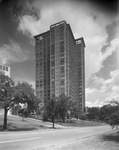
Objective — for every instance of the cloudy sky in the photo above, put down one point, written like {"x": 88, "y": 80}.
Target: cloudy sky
{"x": 95, "y": 20}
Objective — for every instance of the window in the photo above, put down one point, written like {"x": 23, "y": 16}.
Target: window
{"x": 41, "y": 85}
{"x": 52, "y": 63}
{"x": 61, "y": 46}
{"x": 3, "y": 67}
{"x": 53, "y": 46}
{"x": 53, "y": 90}
{"x": 62, "y": 90}
{"x": 44, "y": 43}
{"x": 62, "y": 82}
{"x": 52, "y": 30}
{"x": 41, "y": 53}
{"x": 52, "y": 72}
{"x": 62, "y": 70}
{"x": 61, "y": 33}
{"x": 41, "y": 93}
{"x": 41, "y": 63}
{"x": 44, "y": 81}
{"x": 62, "y": 75}
{"x": 62, "y": 43}
{"x": 61, "y": 36}
{"x": 62, "y": 61}
{"x": 6, "y": 68}
{"x": 78, "y": 42}
{"x": 52, "y": 57}
{"x": 62, "y": 27}
{"x": 52, "y": 35}
{"x": 41, "y": 37}
{"x": 52, "y": 49}
{"x": 62, "y": 55}
{"x": 53, "y": 84}
{"x": 41, "y": 81}
{"x": 62, "y": 49}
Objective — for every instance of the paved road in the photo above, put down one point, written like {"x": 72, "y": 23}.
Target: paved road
{"x": 40, "y": 139}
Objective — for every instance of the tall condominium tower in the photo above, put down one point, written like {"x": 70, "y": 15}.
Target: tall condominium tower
{"x": 60, "y": 65}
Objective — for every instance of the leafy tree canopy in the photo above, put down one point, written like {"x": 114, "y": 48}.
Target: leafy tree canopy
{"x": 25, "y": 94}
{"x": 6, "y": 91}
{"x": 11, "y": 95}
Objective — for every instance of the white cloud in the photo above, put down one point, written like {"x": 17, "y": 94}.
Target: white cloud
{"x": 94, "y": 56}
{"x": 115, "y": 83}
{"x": 32, "y": 83}
{"x": 96, "y": 97}
{"x": 17, "y": 79}
{"x": 96, "y": 103}
{"x": 110, "y": 49}
{"x": 96, "y": 82}
{"x": 83, "y": 24}
{"x": 28, "y": 25}
{"x": 109, "y": 89}
{"x": 115, "y": 77}
{"x": 12, "y": 53}
{"x": 118, "y": 57}
{"x": 88, "y": 90}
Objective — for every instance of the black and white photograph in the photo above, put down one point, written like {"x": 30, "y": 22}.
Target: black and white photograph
{"x": 59, "y": 74}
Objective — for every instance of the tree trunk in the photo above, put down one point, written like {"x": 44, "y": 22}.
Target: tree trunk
{"x": 53, "y": 123}
{"x": 5, "y": 118}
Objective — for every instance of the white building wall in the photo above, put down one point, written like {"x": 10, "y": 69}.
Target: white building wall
{"x": 5, "y": 70}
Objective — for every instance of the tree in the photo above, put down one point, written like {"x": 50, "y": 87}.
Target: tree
{"x": 93, "y": 113}
{"x": 50, "y": 111}
{"x": 112, "y": 116}
{"x": 25, "y": 95}
{"x": 11, "y": 95}
{"x": 108, "y": 113}
{"x": 15, "y": 109}
{"x": 113, "y": 119}
{"x": 6, "y": 95}
{"x": 63, "y": 107}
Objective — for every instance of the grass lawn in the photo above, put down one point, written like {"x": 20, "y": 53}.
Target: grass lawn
{"x": 17, "y": 124}
{"x": 81, "y": 123}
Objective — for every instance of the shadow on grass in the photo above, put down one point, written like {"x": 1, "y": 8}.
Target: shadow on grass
{"x": 12, "y": 127}
{"x": 81, "y": 123}
{"x": 10, "y": 124}
{"x": 114, "y": 137}
{"x": 22, "y": 129}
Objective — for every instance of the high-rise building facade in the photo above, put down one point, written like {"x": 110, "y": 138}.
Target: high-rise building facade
{"x": 60, "y": 65}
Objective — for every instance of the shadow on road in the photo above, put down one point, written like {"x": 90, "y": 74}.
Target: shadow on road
{"x": 111, "y": 137}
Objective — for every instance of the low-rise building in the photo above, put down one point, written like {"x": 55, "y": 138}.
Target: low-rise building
{"x": 5, "y": 70}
